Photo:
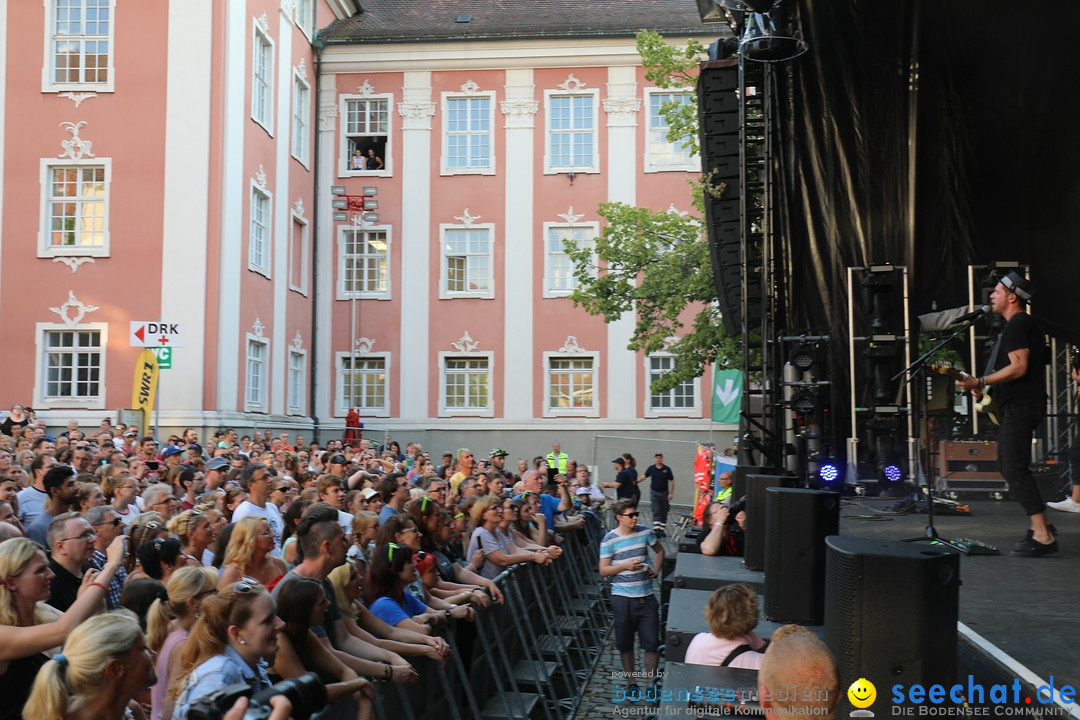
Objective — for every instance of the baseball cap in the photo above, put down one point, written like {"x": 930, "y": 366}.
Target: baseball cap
{"x": 368, "y": 493}
{"x": 170, "y": 451}
{"x": 499, "y": 452}
{"x": 620, "y": 460}
{"x": 583, "y": 491}
{"x": 131, "y": 433}
{"x": 218, "y": 463}
{"x": 338, "y": 460}
{"x": 659, "y": 454}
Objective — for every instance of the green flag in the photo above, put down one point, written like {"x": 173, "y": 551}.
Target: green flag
{"x": 727, "y": 395}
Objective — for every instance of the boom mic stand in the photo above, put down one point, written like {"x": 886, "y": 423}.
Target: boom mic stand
{"x": 917, "y": 370}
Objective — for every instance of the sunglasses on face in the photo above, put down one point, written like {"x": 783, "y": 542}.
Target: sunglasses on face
{"x": 630, "y": 515}
{"x": 115, "y": 522}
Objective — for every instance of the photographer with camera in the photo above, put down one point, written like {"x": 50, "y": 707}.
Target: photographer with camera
{"x": 723, "y": 530}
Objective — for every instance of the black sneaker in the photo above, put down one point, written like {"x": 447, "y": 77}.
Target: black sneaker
{"x": 659, "y": 533}
{"x": 1029, "y": 534}
{"x": 1033, "y": 548}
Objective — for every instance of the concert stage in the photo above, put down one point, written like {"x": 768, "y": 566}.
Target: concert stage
{"x": 1025, "y": 608}
{"x": 1017, "y": 615}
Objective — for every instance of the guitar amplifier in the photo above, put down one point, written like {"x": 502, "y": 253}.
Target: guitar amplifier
{"x": 970, "y": 465}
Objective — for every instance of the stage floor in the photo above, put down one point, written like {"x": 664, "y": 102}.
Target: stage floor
{"x": 1025, "y": 607}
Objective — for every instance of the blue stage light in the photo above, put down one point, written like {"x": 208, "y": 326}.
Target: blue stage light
{"x": 893, "y": 473}
{"x": 830, "y": 473}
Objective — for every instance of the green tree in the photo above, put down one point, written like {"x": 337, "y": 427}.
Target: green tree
{"x": 656, "y": 262}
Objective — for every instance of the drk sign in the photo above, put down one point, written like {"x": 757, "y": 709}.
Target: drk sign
{"x": 156, "y": 334}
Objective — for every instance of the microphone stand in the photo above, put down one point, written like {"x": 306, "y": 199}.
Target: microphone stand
{"x": 917, "y": 370}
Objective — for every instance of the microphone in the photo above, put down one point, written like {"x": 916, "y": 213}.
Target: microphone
{"x": 979, "y": 312}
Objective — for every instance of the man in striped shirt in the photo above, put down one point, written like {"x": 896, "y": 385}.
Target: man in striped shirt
{"x": 624, "y": 556}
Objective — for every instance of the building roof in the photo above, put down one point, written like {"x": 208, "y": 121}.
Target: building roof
{"x": 391, "y": 21}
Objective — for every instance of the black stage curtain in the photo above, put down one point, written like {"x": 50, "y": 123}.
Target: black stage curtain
{"x": 979, "y": 161}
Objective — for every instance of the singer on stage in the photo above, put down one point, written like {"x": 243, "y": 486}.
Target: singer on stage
{"x": 1017, "y": 380}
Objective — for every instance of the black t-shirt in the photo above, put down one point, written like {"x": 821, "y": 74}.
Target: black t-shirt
{"x": 627, "y": 479}
{"x": 8, "y": 426}
{"x": 659, "y": 477}
{"x": 1022, "y": 332}
{"x": 64, "y": 587}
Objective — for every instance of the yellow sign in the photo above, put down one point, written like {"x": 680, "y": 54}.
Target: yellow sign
{"x": 145, "y": 386}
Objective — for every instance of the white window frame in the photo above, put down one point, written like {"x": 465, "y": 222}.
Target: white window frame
{"x": 388, "y": 147}
{"x": 444, "y": 292}
{"x": 486, "y": 411}
{"x": 45, "y": 249}
{"x": 89, "y": 402}
{"x": 694, "y": 410}
{"x": 342, "y": 292}
{"x": 305, "y": 17}
{"x": 259, "y": 191}
{"x": 295, "y": 404}
{"x": 305, "y": 251}
{"x": 48, "y": 68}
{"x": 340, "y": 401}
{"x": 693, "y": 164}
{"x": 260, "y": 404}
{"x": 593, "y": 227}
{"x": 262, "y": 43}
{"x": 301, "y": 119}
{"x": 593, "y": 411}
{"x": 549, "y": 167}
{"x": 488, "y": 169}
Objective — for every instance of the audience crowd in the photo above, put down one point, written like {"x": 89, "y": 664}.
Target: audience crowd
{"x": 138, "y": 576}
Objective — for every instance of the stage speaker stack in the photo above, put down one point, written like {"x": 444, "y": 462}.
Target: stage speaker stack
{"x": 890, "y": 612}
{"x": 738, "y": 478}
{"x": 756, "y": 485}
{"x": 797, "y": 521}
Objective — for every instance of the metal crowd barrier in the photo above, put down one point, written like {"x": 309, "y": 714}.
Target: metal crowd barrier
{"x": 528, "y": 658}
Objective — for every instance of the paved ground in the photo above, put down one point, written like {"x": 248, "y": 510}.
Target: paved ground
{"x": 607, "y": 683}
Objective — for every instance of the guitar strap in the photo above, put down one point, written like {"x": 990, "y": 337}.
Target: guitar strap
{"x": 991, "y": 363}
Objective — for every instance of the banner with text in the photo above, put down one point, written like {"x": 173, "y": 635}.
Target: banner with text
{"x": 144, "y": 386}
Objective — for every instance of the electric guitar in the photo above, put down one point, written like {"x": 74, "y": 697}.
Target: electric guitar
{"x": 986, "y": 403}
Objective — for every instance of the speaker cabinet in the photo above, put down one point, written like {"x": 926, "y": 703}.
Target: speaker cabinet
{"x": 890, "y": 612}
{"x": 754, "y": 549}
{"x": 797, "y": 521}
{"x": 738, "y": 478}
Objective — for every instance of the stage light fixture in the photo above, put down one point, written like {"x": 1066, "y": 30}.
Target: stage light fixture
{"x": 830, "y": 472}
{"x": 805, "y": 401}
{"x": 892, "y": 473}
{"x": 773, "y": 35}
{"x": 803, "y": 356}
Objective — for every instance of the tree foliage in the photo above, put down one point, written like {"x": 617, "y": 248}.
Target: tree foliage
{"x": 656, "y": 263}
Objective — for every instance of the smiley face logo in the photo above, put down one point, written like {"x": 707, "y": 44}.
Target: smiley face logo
{"x": 862, "y": 693}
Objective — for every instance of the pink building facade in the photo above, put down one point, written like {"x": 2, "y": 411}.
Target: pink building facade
{"x": 178, "y": 161}
{"x": 158, "y": 165}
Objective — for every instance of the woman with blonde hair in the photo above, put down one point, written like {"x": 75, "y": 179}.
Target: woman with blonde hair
{"x": 120, "y": 490}
{"x": 732, "y": 615}
{"x": 194, "y": 530}
{"x": 364, "y": 526}
{"x": 248, "y": 554}
{"x": 88, "y": 495}
{"x": 498, "y": 548}
{"x": 168, "y": 625}
{"x": 105, "y": 663}
{"x": 29, "y": 627}
{"x": 230, "y": 643}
